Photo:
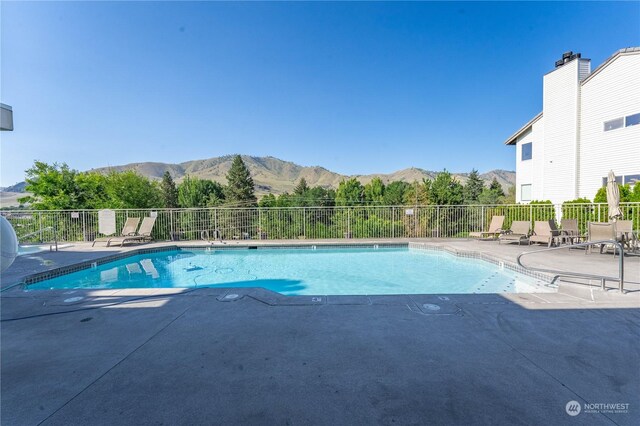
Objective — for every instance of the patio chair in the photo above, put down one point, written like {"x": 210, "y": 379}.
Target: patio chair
{"x": 599, "y": 231}
{"x": 143, "y": 234}
{"x": 128, "y": 229}
{"x": 544, "y": 231}
{"x": 570, "y": 231}
{"x": 495, "y": 229}
{"x": 518, "y": 232}
{"x": 625, "y": 234}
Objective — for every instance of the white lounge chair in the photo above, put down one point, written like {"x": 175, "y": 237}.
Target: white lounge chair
{"x": 128, "y": 229}
{"x": 143, "y": 234}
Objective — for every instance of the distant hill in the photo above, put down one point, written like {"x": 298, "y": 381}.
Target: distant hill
{"x": 274, "y": 175}
{"x": 271, "y": 174}
{"x": 18, "y": 187}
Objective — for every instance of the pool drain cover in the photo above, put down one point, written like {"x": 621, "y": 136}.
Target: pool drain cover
{"x": 430, "y": 307}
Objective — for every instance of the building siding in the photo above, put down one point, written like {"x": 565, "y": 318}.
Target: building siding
{"x": 560, "y": 109}
{"x": 530, "y": 171}
{"x": 612, "y": 93}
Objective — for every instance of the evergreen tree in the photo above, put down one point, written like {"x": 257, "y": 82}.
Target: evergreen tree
{"x": 301, "y": 188}
{"x": 496, "y": 187}
{"x": 473, "y": 188}
{"x": 169, "y": 191}
{"x": 240, "y": 187}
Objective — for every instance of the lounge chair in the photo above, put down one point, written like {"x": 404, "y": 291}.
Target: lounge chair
{"x": 518, "y": 232}
{"x": 601, "y": 231}
{"x": 570, "y": 231}
{"x": 544, "y": 231}
{"x": 143, "y": 234}
{"x": 625, "y": 235}
{"x": 128, "y": 229}
{"x": 495, "y": 229}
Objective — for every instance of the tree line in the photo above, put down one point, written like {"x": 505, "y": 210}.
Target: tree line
{"x": 58, "y": 187}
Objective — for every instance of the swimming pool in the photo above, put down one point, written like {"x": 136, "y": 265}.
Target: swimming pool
{"x": 342, "y": 271}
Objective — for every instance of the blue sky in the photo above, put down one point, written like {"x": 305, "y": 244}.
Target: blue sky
{"x": 354, "y": 87}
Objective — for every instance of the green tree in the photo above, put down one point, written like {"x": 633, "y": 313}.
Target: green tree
{"x": 53, "y": 187}
{"x": 496, "y": 187}
{"x": 194, "y": 192}
{"x": 349, "y": 193}
{"x": 473, "y": 187}
{"x": 268, "y": 200}
{"x": 301, "y": 188}
{"x": 418, "y": 193}
{"x": 394, "y": 193}
{"x": 510, "y": 198}
{"x": 625, "y": 194}
{"x": 374, "y": 191}
{"x": 319, "y": 196}
{"x": 446, "y": 190}
{"x": 169, "y": 191}
{"x": 240, "y": 186}
{"x": 129, "y": 190}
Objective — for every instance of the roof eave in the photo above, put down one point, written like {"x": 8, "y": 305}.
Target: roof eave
{"x": 511, "y": 140}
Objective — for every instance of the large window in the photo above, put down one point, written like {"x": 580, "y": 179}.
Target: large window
{"x": 526, "y": 151}
{"x": 613, "y": 124}
{"x": 632, "y": 120}
{"x": 525, "y": 192}
{"x": 606, "y": 179}
{"x": 631, "y": 179}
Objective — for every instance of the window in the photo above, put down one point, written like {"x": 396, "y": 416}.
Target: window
{"x": 613, "y": 124}
{"x": 632, "y": 120}
{"x": 525, "y": 192}
{"x": 526, "y": 151}
{"x": 606, "y": 179}
{"x": 631, "y": 179}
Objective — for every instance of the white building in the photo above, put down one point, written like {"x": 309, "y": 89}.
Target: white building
{"x": 589, "y": 124}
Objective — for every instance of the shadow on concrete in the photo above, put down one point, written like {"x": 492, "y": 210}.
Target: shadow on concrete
{"x": 194, "y": 356}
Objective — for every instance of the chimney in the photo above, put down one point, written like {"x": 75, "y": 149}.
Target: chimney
{"x": 566, "y": 58}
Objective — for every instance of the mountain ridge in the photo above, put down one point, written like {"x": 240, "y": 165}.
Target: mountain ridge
{"x": 272, "y": 174}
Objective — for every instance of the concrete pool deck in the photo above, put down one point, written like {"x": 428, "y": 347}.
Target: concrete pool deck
{"x": 152, "y": 356}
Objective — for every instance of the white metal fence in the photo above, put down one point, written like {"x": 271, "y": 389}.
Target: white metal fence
{"x": 306, "y": 222}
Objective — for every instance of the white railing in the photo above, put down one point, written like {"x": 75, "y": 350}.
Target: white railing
{"x": 277, "y": 223}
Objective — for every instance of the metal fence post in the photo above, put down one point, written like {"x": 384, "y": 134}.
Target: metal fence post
{"x": 393, "y": 222}
{"x": 304, "y": 222}
{"x": 438, "y": 222}
{"x": 530, "y": 212}
{"x": 171, "y": 229}
{"x": 84, "y": 227}
{"x": 40, "y": 226}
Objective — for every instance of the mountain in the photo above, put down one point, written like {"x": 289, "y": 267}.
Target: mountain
{"x": 271, "y": 174}
{"x": 18, "y": 187}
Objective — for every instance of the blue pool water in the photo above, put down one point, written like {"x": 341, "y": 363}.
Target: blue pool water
{"x": 303, "y": 272}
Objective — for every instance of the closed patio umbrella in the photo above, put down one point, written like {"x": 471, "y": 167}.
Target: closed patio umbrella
{"x": 613, "y": 197}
